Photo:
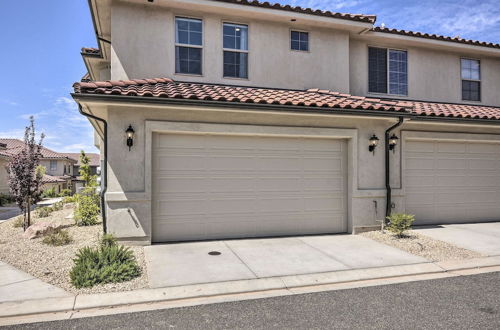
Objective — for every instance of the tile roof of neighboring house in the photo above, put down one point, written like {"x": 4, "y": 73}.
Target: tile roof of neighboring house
{"x": 298, "y": 9}
{"x": 436, "y": 37}
{"x": 90, "y": 51}
{"x": 14, "y": 146}
{"x": 310, "y": 99}
{"x": 95, "y": 159}
{"x": 167, "y": 88}
{"x": 51, "y": 179}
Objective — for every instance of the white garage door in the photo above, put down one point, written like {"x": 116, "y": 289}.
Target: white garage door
{"x": 223, "y": 186}
{"x": 452, "y": 182}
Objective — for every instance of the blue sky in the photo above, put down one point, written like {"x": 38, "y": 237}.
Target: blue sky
{"x": 42, "y": 39}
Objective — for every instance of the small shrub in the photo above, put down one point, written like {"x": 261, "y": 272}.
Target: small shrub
{"x": 104, "y": 264}
{"x": 5, "y": 199}
{"x": 59, "y": 238}
{"x": 18, "y": 222}
{"x": 65, "y": 192}
{"x": 87, "y": 211}
{"x": 107, "y": 240}
{"x": 69, "y": 199}
{"x": 43, "y": 212}
{"x": 399, "y": 223}
{"x": 57, "y": 206}
{"x": 49, "y": 193}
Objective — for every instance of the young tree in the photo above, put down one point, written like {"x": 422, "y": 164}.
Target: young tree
{"x": 24, "y": 179}
{"x": 90, "y": 180}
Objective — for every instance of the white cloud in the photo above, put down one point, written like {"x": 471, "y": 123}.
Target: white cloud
{"x": 17, "y": 133}
{"x": 9, "y": 102}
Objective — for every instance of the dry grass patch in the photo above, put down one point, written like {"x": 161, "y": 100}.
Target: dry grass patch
{"x": 423, "y": 246}
{"x": 52, "y": 264}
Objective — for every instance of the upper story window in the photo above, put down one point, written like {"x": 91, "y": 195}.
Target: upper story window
{"x": 53, "y": 165}
{"x": 471, "y": 80}
{"x": 387, "y": 71}
{"x": 188, "y": 45}
{"x": 299, "y": 40}
{"x": 235, "y": 44}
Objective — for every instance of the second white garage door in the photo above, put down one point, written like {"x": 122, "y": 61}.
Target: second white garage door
{"x": 228, "y": 186}
{"x": 452, "y": 182}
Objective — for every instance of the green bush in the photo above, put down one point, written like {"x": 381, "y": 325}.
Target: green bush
{"x": 5, "y": 199}
{"x": 65, "y": 192}
{"x": 107, "y": 240}
{"x": 104, "y": 264}
{"x": 57, "y": 206}
{"x": 70, "y": 199}
{"x": 87, "y": 211}
{"x": 43, "y": 212}
{"x": 49, "y": 193}
{"x": 399, "y": 223}
{"x": 59, "y": 238}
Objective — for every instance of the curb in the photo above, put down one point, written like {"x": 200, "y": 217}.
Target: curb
{"x": 286, "y": 284}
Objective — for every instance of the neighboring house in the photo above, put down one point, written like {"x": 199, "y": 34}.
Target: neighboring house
{"x": 59, "y": 167}
{"x": 277, "y": 120}
{"x": 4, "y": 161}
{"x": 94, "y": 165}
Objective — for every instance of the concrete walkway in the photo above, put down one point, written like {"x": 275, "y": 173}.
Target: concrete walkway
{"x": 16, "y": 285}
{"x": 479, "y": 237}
{"x": 191, "y": 263}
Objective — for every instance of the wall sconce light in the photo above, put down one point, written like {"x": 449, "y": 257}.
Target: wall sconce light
{"x": 373, "y": 143}
{"x": 393, "y": 141}
{"x": 130, "y": 136}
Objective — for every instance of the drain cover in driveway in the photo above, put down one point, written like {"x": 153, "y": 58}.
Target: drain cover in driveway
{"x": 214, "y": 253}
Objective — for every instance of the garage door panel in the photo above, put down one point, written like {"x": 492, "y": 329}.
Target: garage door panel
{"x": 219, "y": 186}
{"x": 453, "y": 182}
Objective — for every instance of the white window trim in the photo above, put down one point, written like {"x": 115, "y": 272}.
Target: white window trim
{"x": 247, "y": 51}
{"x": 178, "y": 44}
{"x": 55, "y": 165}
{"x": 308, "y": 41}
{"x": 479, "y": 81}
{"x": 388, "y": 82}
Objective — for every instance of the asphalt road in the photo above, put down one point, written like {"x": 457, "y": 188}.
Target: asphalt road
{"x": 466, "y": 302}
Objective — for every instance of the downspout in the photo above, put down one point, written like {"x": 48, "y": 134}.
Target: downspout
{"x": 388, "y": 197}
{"x": 104, "y": 177}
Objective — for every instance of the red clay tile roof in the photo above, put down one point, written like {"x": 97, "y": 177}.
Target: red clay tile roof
{"x": 51, "y": 179}
{"x": 14, "y": 146}
{"x": 167, "y": 88}
{"x": 95, "y": 159}
{"x": 298, "y": 9}
{"x": 436, "y": 37}
{"x": 312, "y": 98}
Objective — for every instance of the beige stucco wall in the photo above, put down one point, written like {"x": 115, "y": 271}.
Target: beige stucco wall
{"x": 433, "y": 75}
{"x": 60, "y": 167}
{"x": 129, "y": 198}
{"x": 4, "y": 184}
{"x": 143, "y": 40}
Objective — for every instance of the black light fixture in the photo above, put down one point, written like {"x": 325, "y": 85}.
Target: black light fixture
{"x": 130, "y": 136}
{"x": 373, "y": 143}
{"x": 393, "y": 141}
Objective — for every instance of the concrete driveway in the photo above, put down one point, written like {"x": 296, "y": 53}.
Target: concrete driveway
{"x": 191, "y": 263}
{"x": 480, "y": 237}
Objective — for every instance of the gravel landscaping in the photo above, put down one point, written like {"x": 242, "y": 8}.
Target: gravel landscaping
{"x": 423, "y": 246}
{"x": 52, "y": 264}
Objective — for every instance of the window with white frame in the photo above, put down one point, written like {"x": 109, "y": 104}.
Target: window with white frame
{"x": 53, "y": 165}
{"x": 188, "y": 45}
{"x": 387, "y": 71}
{"x": 471, "y": 79}
{"x": 235, "y": 44}
{"x": 299, "y": 40}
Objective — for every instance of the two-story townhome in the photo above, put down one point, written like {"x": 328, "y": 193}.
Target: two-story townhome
{"x": 58, "y": 167}
{"x": 235, "y": 118}
{"x": 94, "y": 165}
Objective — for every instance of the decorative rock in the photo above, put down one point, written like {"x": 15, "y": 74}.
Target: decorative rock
{"x": 40, "y": 229}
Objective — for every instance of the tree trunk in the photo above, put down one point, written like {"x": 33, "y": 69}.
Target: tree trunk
{"x": 29, "y": 212}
